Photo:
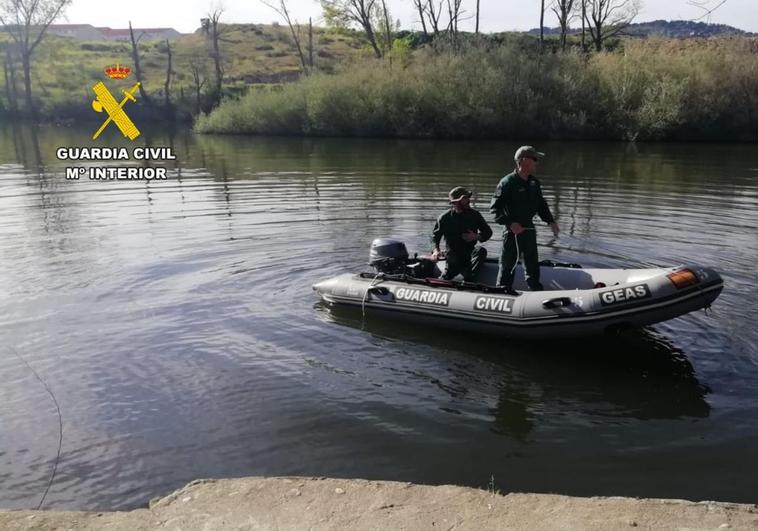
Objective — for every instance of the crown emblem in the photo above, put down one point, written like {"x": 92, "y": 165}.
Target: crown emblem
{"x": 117, "y": 71}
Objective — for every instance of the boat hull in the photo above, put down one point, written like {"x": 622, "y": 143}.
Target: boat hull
{"x": 624, "y": 299}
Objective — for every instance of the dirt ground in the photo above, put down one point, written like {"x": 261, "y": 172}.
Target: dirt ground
{"x": 314, "y": 503}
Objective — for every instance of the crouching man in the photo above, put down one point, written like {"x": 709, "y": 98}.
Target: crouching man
{"x": 462, "y": 227}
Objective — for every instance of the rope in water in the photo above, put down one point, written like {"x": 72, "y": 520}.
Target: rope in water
{"x": 612, "y": 252}
{"x": 60, "y": 424}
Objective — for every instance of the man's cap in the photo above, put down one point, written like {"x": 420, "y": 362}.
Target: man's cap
{"x": 527, "y": 151}
{"x": 458, "y": 193}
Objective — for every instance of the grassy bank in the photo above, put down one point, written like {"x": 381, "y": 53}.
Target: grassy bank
{"x": 646, "y": 89}
{"x": 65, "y": 69}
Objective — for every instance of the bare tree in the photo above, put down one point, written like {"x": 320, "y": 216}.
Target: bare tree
{"x": 564, "y": 10}
{"x": 434, "y": 15}
{"x": 26, "y": 21}
{"x": 584, "y": 19}
{"x": 137, "y": 67}
{"x": 542, "y": 23}
{"x": 343, "y": 13}
{"x": 454, "y": 12}
{"x": 10, "y": 80}
{"x": 608, "y": 18}
{"x": 709, "y": 6}
{"x": 430, "y": 13}
{"x": 310, "y": 43}
{"x": 167, "y": 84}
{"x": 387, "y": 27}
{"x": 199, "y": 78}
{"x": 281, "y": 8}
{"x": 212, "y": 27}
{"x": 419, "y": 5}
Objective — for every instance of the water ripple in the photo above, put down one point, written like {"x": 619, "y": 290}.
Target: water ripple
{"x": 176, "y": 324}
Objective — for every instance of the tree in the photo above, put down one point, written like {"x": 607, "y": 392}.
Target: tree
{"x": 419, "y": 5}
{"x": 584, "y": 20}
{"x": 343, "y": 13}
{"x": 281, "y": 8}
{"x": 10, "y": 80}
{"x": 564, "y": 10}
{"x": 167, "y": 84}
{"x": 386, "y": 26}
{"x": 212, "y": 27}
{"x": 198, "y": 71}
{"x": 137, "y": 68}
{"x": 454, "y": 12}
{"x": 542, "y": 23}
{"x": 709, "y": 6}
{"x": 608, "y": 18}
{"x": 430, "y": 14}
{"x": 26, "y": 21}
{"x": 310, "y": 43}
{"x": 433, "y": 14}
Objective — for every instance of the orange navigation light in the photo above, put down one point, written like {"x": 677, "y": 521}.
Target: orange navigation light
{"x": 683, "y": 278}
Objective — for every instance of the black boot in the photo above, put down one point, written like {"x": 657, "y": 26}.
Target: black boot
{"x": 536, "y": 286}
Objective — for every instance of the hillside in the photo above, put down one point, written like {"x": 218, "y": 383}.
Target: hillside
{"x": 683, "y": 29}
{"x": 664, "y": 28}
{"x": 64, "y": 69}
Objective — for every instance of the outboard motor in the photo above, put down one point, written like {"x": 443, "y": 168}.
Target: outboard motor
{"x": 388, "y": 256}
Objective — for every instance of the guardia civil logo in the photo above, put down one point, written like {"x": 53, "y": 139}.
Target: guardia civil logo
{"x": 104, "y": 101}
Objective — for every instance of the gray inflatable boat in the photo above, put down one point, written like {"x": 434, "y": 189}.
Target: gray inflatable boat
{"x": 575, "y": 302}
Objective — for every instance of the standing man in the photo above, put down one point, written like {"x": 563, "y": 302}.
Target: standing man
{"x": 518, "y": 197}
{"x": 462, "y": 227}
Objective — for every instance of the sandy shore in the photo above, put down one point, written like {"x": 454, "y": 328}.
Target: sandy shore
{"x": 312, "y": 503}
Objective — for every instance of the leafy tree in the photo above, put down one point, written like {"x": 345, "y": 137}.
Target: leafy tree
{"x": 26, "y": 21}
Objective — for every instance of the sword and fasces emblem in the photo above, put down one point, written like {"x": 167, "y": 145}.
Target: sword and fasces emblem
{"x": 106, "y": 102}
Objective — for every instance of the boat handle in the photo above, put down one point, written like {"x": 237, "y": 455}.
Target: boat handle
{"x": 379, "y": 290}
{"x": 558, "y": 302}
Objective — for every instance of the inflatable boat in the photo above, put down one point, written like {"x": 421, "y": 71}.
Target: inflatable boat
{"x": 575, "y": 301}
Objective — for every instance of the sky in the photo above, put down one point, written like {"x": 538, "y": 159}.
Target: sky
{"x": 495, "y": 15}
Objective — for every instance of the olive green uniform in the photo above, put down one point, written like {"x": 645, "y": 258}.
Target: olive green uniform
{"x": 519, "y": 200}
{"x": 462, "y": 256}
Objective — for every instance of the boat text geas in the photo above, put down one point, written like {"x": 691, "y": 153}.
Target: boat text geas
{"x": 576, "y": 301}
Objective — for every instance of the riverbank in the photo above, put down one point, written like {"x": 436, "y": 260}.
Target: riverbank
{"x": 317, "y": 503}
{"x": 654, "y": 89}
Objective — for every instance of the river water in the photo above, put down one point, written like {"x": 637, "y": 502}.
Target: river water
{"x": 175, "y": 325}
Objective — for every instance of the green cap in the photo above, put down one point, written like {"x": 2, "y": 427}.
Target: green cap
{"x": 458, "y": 193}
{"x": 527, "y": 151}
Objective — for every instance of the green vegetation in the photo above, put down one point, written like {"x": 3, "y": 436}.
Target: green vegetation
{"x": 499, "y": 85}
{"x": 65, "y": 69}
{"x": 505, "y": 87}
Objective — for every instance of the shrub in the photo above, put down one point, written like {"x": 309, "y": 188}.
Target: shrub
{"x": 504, "y": 87}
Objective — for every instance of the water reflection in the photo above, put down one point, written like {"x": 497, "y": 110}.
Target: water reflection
{"x": 175, "y": 322}
{"x": 636, "y": 375}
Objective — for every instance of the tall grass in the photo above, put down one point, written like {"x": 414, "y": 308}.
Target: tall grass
{"x": 647, "y": 90}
